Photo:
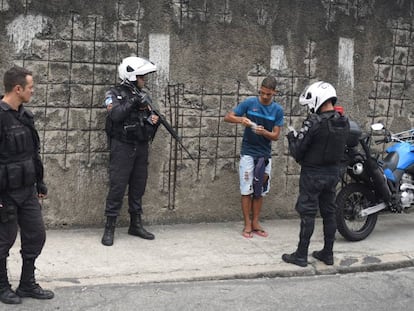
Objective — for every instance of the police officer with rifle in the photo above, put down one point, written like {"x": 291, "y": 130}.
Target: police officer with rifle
{"x": 130, "y": 126}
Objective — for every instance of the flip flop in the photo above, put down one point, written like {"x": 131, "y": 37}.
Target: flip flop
{"x": 247, "y": 234}
{"x": 261, "y": 232}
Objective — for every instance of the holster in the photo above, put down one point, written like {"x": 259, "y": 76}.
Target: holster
{"x": 8, "y": 212}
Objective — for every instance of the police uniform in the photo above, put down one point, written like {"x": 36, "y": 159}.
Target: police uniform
{"x": 130, "y": 130}
{"x": 20, "y": 169}
{"x": 318, "y": 148}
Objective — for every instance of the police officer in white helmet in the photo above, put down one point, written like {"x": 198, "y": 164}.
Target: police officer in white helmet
{"x": 318, "y": 147}
{"x": 130, "y": 126}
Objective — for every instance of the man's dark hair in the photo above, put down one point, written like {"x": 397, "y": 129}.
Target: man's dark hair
{"x": 269, "y": 83}
{"x": 15, "y": 76}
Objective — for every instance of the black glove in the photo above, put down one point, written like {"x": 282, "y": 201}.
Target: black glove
{"x": 291, "y": 135}
{"x": 135, "y": 102}
{"x": 145, "y": 99}
{"x": 41, "y": 188}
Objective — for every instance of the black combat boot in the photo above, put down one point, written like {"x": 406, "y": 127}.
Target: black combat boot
{"x": 324, "y": 257}
{"x": 326, "y": 254}
{"x": 136, "y": 228}
{"x": 108, "y": 236}
{"x": 7, "y": 295}
{"x": 296, "y": 259}
{"x": 300, "y": 257}
{"x": 28, "y": 286}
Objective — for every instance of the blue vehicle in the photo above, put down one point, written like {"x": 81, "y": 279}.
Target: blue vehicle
{"x": 371, "y": 184}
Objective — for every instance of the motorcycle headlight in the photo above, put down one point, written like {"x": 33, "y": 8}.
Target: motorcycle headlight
{"x": 358, "y": 168}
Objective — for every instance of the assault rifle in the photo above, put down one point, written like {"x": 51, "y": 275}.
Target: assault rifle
{"x": 145, "y": 99}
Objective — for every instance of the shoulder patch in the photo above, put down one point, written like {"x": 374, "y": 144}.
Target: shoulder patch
{"x": 108, "y": 100}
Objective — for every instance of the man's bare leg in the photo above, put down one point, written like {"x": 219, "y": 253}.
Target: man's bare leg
{"x": 246, "y": 202}
{"x": 257, "y": 207}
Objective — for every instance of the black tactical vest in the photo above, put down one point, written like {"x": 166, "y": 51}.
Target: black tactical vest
{"x": 136, "y": 127}
{"x": 329, "y": 137}
{"x": 17, "y": 148}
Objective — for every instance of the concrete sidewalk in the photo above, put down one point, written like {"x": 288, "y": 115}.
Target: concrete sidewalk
{"x": 209, "y": 252}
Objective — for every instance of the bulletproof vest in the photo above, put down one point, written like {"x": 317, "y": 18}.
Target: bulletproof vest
{"x": 17, "y": 149}
{"x": 136, "y": 126}
{"x": 329, "y": 135}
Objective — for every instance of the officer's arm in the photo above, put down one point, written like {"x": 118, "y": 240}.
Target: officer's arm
{"x": 299, "y": 144}
{"x": 37, "y": 160}
{"x": 120, "y": 108}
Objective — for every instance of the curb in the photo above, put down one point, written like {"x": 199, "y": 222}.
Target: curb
{"x": 346, "y": 266}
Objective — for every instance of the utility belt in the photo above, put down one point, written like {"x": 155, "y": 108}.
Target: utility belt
{"x": 8, "y": 211}
{"x": 141, "y": 130}
{"x": 17, "y": 175}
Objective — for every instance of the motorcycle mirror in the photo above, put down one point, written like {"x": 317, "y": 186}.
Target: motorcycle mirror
{"x": 377, "y": 126}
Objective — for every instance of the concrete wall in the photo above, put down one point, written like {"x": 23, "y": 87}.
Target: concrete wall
{"x": 211, "y": 54}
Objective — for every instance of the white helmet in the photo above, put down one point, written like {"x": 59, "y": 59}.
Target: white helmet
{"x": 316, "y": 94}
{"x": 133, "y": 66}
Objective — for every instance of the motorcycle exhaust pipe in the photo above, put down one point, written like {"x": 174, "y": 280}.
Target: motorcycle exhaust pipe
{"x": 373, "y": 209}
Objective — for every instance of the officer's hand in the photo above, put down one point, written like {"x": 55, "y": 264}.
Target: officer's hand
{"x": 291, "y": 135}
{"x": 41, "y": 190}
{"x": 154, "y": 118}
{"x": 145, "y": 98}
{"x": 135, "y": 101}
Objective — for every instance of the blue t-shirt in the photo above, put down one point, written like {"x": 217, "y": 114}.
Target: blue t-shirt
{"x": 268, "y": 116}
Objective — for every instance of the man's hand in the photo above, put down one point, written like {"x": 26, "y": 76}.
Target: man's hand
{"x": 259, "y": 130}
{"x": 41, "y": 190}
{"x": 245, "y": 122}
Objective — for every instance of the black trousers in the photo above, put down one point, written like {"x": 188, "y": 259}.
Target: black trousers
{"x": 317, "y": 191}
{"x": 128, "y": 166}
{"x": 30, "y": 221}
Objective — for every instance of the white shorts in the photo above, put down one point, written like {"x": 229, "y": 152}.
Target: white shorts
{"x": 246, "y": 171}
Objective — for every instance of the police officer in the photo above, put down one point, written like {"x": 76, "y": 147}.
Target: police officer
{"x": 21, "y": 183}
{"x": 318, "y": 148}
{"x": 131, "y": 126}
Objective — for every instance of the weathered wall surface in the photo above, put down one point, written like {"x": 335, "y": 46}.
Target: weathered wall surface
{"x": 211, "y": 55}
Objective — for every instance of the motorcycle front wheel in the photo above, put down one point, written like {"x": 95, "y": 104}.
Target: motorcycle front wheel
{"x": 351, "y": 200}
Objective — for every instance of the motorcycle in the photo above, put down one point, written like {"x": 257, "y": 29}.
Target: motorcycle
{"x": 371, "y": 184}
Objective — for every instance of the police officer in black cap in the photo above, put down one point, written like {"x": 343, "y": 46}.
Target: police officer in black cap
{"x": 21, "y": 184}
{"x": 318, "y": 148}
{"x": 131, "y": 126}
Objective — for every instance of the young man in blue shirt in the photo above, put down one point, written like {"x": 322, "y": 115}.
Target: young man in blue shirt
{"x": 262, "y": 119}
